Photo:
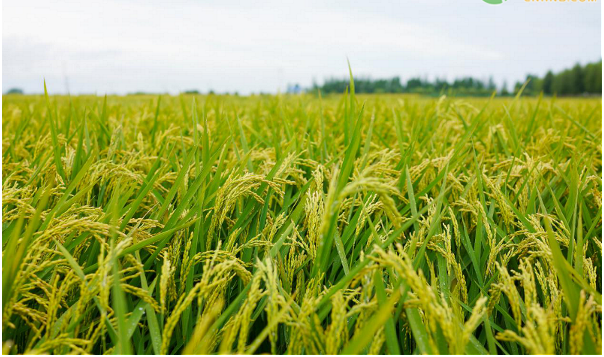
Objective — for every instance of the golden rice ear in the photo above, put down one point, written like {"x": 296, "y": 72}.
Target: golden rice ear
{"x": 204, "y": 336}
{"x": 395, "y": 224}
{"x": 166, "y": 275}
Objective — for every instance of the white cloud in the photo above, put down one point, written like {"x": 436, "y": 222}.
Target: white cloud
{"x": 123, "y": 46}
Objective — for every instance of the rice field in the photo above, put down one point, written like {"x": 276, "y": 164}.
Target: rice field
{"x": 350, "y": 224}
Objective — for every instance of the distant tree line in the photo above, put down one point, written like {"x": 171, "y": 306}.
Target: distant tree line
{"x": 574, "y": 81}
{"x": 579, "y": 80}
{"x": 14, "y": 91}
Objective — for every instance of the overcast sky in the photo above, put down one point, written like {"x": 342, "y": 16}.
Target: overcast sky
{"x": 169, "y": 46}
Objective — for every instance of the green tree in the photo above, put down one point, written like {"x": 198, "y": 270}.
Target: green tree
{"x": 504, "y": 89}
{"x": 564, "y": 83}
{"x": 15, "y": 91}
{"x": 592, "y": 78}
{"x": 548, "y": 83}
{"x": 577, "y": 79}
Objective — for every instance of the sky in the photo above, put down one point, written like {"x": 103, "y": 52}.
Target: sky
{"x": 119, "y": 47}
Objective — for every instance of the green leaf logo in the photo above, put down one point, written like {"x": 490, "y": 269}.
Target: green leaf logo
{"x": 494, "y": 2}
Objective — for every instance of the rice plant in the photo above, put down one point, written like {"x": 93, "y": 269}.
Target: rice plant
{"x": 301, "y": 225}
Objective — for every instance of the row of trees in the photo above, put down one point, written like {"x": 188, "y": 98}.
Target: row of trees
{"x": 579, "y": 80}
{"x": 574, "y": 81}
{"x": 466, "y": 86}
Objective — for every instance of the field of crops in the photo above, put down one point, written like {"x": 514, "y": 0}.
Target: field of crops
{"x": 301, "y": 225}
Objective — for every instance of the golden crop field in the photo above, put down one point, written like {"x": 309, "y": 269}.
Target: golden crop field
{"x": 294, "y": 224}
